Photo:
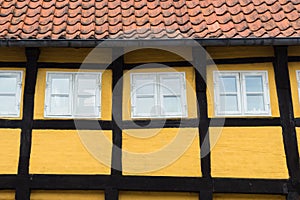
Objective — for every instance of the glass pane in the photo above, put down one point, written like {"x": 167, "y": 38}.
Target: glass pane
{"x": 145, "y": 88}
{"x": 170, "y": 85}
{"x": 255, "y": 103}
{"x": 60, "y": 85}
{"x": 8, "y": 104}
{"x": 228, "y": 103}
{"x": 8, "y": 85}
{"x": 254, "y": 83}
{"x": 145, "y": 106}
{"x": 228, "y": 84}
{"x": 87, "y": 86}
{"x": 171, "y": 104}
{"x": 60, "y": 105}
{"x": 86, "y": 105}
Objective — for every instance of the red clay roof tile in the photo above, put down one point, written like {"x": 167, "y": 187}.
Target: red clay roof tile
{"x": 98, "y": 19}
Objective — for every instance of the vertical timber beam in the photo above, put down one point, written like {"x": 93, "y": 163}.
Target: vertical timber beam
{"x": 23, "y": 181}
{"x": 117, "y": 86}
{"x": 200, "y": 66}
{"x": 287, "y": 119}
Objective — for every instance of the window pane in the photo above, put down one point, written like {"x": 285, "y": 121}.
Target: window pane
{"x": 171, "y": 104}
{"x": 8, "y": 104}
{"x": 86, "y": 105}
{"x": 60, "y": 105}
{"x": 8, "y": 85}
{"x": 228, "y": 84}
{"x": 228, "y": 103}
{"x": 145, "y": 88}
{"x": 60, "y": 85}
{"x": 170, "y": 85}
{"x": 254, "y": 83}
{"x": 145, "y": 106}
{"x": 255, "y": 103}
{"x": 87, "y": 86}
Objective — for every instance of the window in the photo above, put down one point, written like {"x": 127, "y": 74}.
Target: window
{"x": 298, "y": 81}
{"x": 241, "y": 93}
{"x": 10, "y": 93}
{"x": 75, "y": 95}
{"x": 158, "y": 95}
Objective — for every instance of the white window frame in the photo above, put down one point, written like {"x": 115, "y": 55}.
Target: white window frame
{"x": 72, "y": 95}
{"x": 19, "y": 75}
{"x": 298, "y": 82}
{"x": 158, "y": 95}
{"x": 241, "y": 93}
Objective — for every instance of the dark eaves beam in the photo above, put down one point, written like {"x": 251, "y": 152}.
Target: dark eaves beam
{"x": 90, "y": 43}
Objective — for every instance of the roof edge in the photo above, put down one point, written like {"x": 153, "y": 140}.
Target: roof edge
{"x": 91, "y": 43}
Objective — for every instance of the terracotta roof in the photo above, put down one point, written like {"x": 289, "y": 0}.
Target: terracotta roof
{"x": 99, "y": 19}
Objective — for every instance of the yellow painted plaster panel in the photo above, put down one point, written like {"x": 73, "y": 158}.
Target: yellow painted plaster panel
{"x": 157, "y": 196}
{"x": 298, "y": 138}
{"x": 70, "y": 152}
{"x": 106, "y": 92}
{"x": 247, "y": 197}
{"x": 293, "y": 66}
{"x": 12, "y": 54}
{"x": 294, "y": 50}
{"x": 67, "y": 195}
{"x": 248, "y": 152}
{"x": 190, "y": 89}
{"x": 240, "y": 52}
{"x": 166, "y": 54}
{"x": 22, "y": 91}
{"x": 161, "y": 152}
{"x": 76, "y": 55}
{"x": 10, "y": 148}
{"x": 247, "y": 67}
{"x": 7, "y": 195}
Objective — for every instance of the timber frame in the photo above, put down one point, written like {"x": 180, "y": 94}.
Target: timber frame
{"x": 205, "y": 186}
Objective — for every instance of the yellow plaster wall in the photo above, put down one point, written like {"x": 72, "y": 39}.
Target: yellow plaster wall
{"x": 293, "y": 66}
{"x": 12, "y": 54}
{"x": 247, "y": 197}
{"x": 22, "y": 91}
{"x": 76, "y": 55}
{"x": 190, "y": 88}
{"x": 106, "y": 92}
{"x": 294, "y": 50}
{"x": 166, "y": 54}
{"x": 298, "y": 138}
{"x": 161, "y": 152}
{"x": 10, "y": 148}
{"x": 256, "y": 66}
{"x": 157, "y": 196}
{"x": 248, "y": 152}
{"x": 67, "y": 195}
{"x": 7, "y": 195}
{"x": 240, "y": 52}
{"x": 70, "y": 152}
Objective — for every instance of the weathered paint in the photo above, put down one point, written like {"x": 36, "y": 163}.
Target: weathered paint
{"x": 22, "y": 91}
{"x": 157, "y": 196}
{"x": 7, "y": 195}
{"x": 161, "y": 152}
{"x": 240, "y": 52}
{"x": 76, "y": 55}
{"x": 256, "y": 66}
{"x": 12, "y": 54}
{"x": 190, "y": 86}
{"x": 70, "y": 152}
{"x": 248, "y": 152}
{"x": 156, "y": 54}
{"x": 106, "y": 92}
{"x": 9, "y": 154}
{"x": 247, "y": 197}
{"x": 294, "y": 51}
{"x": 293, "y": 66}
{"x": 67, "y": 195}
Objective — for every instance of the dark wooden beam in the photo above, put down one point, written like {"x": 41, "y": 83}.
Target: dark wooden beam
{"x": 72, "y": 124}
{"x": 73, "y": 65}
{"x": 282, "y": 80}
{"x": 22, "y": 189}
